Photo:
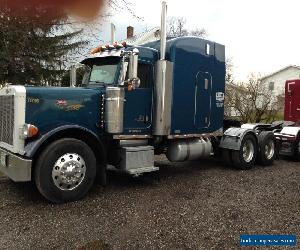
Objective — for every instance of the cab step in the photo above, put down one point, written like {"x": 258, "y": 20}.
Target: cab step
{"x": 136, "y": 160}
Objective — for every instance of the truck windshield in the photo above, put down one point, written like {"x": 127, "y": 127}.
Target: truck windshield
{"x": 103, "y": 74}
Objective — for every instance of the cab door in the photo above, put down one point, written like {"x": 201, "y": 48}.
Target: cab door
{"x": 138, "y": 103}
{"x": 203, "y": 88}
{"x": 292, "y": 101}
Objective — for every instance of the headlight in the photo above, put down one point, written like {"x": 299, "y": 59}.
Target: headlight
{"x": 29, "y": 131}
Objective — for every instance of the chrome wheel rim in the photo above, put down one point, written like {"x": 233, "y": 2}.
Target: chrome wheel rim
{"x": 68, "y": 171}
{"x": 270, "y": 149}
{"x": 248, "y": 151}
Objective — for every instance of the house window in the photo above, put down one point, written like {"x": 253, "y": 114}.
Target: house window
{"x": 271, "y": 86}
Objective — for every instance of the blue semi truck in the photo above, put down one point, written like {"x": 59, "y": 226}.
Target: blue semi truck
{"x": 165, "y": 97}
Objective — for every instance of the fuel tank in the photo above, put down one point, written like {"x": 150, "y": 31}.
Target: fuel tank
{"x": 189, "y": 149}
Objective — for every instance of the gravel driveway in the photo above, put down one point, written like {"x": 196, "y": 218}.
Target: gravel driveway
{"x": 195, "y": 205}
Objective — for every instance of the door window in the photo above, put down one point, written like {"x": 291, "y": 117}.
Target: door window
{"x": 145, "y": 73}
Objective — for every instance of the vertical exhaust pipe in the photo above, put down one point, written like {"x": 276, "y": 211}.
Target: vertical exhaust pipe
{"x": 163, "y": 31}
{"x": 113, "y": 33}
{"x": 163, "y": 84}
{"x": 73, "y": 76}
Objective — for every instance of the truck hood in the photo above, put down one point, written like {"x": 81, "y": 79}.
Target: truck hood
{"x": 48, "y": 108}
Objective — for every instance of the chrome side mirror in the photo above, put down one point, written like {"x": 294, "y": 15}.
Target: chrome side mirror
{"x": 130, "y": 62}
{"x": 133, "y": 63}
{"x": 122, "y": 77}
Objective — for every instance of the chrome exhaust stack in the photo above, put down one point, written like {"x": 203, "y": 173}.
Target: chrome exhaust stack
{"x": 163, "y": 31}
{"x": 163, "y": 83}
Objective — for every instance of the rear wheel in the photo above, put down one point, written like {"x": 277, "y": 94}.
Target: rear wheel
{"x": 65, "y": 171}
{"x": 297, "y": 149}
{"x": 267, "y": 148}
{"x": 245, "y": 158}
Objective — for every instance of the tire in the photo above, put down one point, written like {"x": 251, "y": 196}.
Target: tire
{"x": 267, "y": 148}
{"x": 297, "y": 149}
{"x": 245, "y": 158}
{"x": 65, "y": 171}
{"x": 227, "y": 158}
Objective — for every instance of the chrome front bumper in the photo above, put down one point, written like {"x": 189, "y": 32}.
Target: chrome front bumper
{"x": 16, "y": 168}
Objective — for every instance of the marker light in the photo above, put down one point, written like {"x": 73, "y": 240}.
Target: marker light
{"x": 96, "y": 50}
{"x": 110, "y": 47}
{"x": 118, "y": 46}
{"x": 29, "y": 131}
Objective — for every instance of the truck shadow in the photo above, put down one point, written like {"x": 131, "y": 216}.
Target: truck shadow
{"x": 168, "y": 171}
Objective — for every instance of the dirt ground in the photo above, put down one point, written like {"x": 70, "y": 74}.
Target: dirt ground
{"x": 195, "y": 205}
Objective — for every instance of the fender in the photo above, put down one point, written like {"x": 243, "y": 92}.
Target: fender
{"x": 233, "y": 137}
{"x": 35, "y": 146}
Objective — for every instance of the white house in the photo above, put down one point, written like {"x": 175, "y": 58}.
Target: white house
{"x": 276, "y": 81}
{"x": 144, "y": 37}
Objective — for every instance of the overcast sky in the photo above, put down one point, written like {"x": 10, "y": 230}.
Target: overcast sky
{"x": 259, "y": 35}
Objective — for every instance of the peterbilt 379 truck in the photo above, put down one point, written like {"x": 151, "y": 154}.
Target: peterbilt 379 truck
{"x": 164, "y": 97}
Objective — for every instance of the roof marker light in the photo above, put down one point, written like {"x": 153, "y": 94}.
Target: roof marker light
{"x": 96, "y": 50}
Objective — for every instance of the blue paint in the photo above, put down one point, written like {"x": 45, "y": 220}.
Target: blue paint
{"x": 191, "y": 66}
{"x": 195, "y": 109}
{"x": 49, "y": 114}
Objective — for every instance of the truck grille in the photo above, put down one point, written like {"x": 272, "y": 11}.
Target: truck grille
{"x": 7, "y": 119}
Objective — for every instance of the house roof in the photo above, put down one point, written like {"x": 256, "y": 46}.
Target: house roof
{"x": 145, "y": 37}
{"x": 283, "y": 69}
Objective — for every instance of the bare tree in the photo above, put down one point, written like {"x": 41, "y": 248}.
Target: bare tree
{"x": 177, "y": 28}
{"x": 199, "y": 32}
{"x": 251, "y": 101}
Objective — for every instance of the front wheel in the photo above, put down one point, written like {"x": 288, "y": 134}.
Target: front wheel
{"x": 245, "y": 158}
{"x": 65, "y": 170}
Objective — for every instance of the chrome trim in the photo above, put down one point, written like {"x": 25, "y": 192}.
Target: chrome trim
{"x": 114, "y": 110}
{"x": 69, "y": 171}
{"x": 16, "y": 168}
{"x": 189, "y": 149}
{"x": 163, "y": 98}
{"x": 290, "y": 131}
{"x": 206, "y": 135}
{"x": 133, "y": 143}
{"x": 19, "y": 93}
{"x": 270, "y": 150}
{"x": 163, "y": 31}
{"x": 129, "y": 137}
{"x": 248, "y": 151}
